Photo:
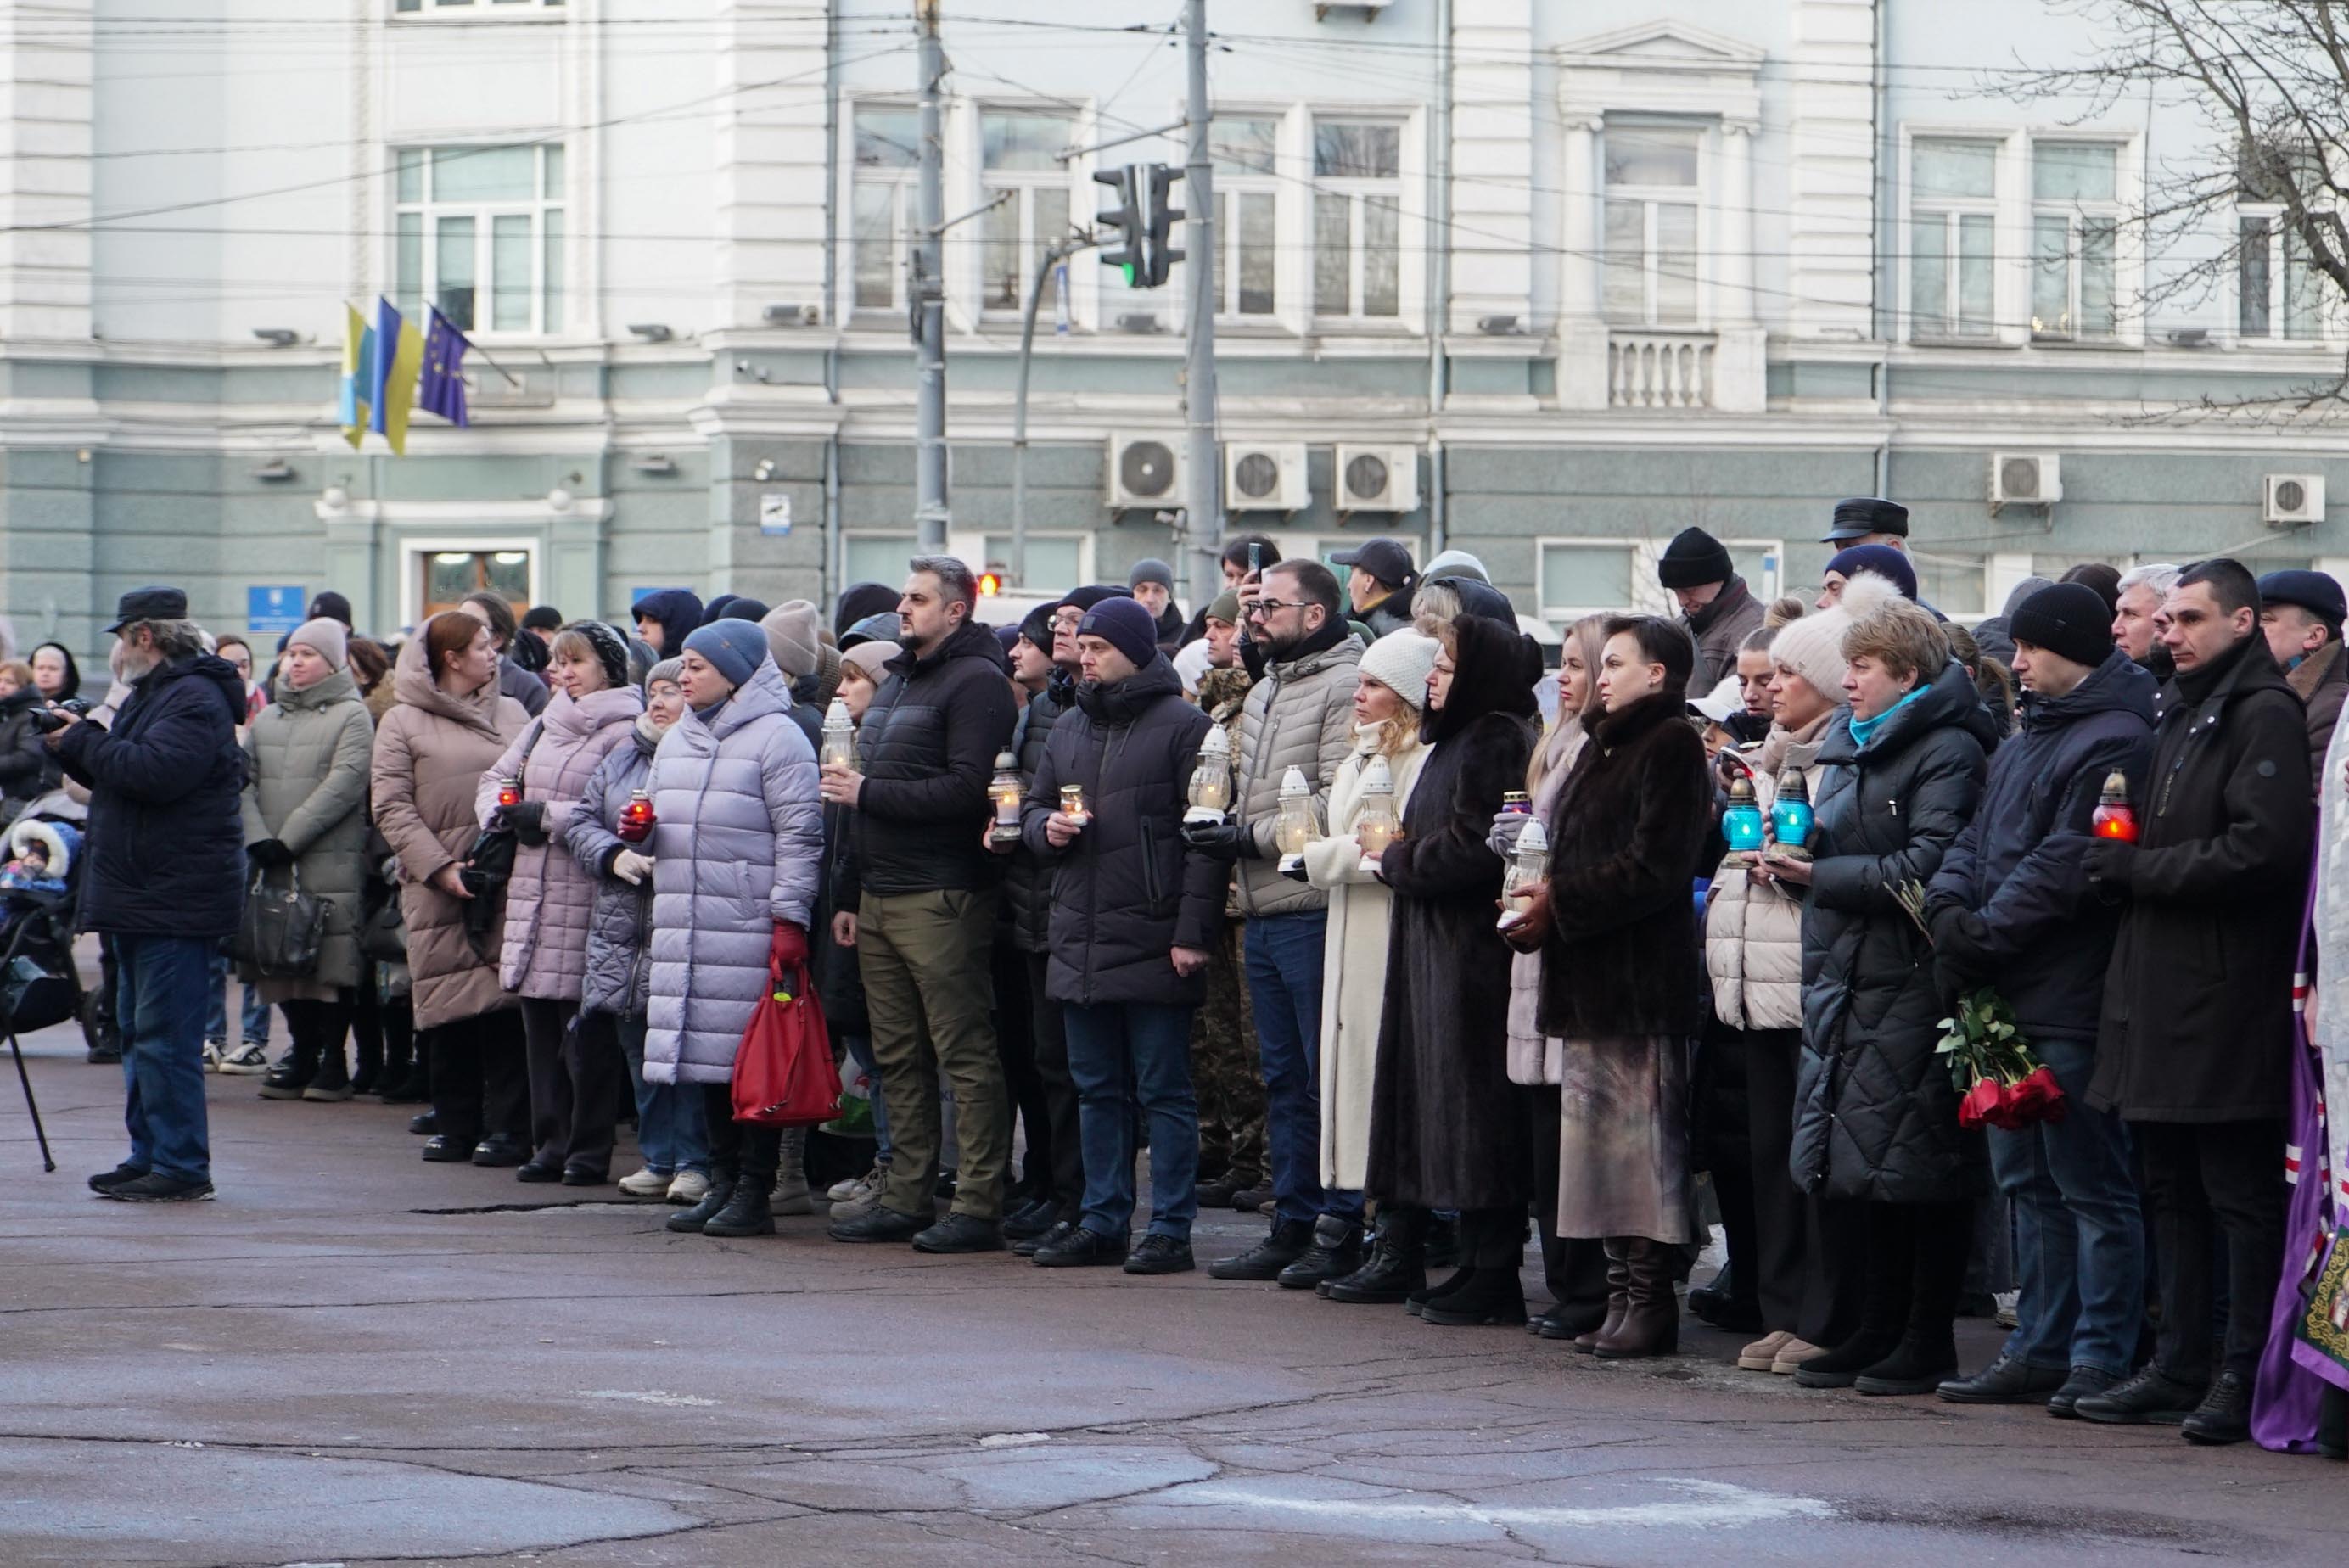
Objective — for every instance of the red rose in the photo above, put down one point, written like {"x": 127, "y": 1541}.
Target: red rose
{"x": 1983, "y": 1103}
{"x": 2010, "y": 1114}
{"x": 2047, "y": 1096}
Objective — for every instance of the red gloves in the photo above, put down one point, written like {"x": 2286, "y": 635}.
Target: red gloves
{"x": 791, "y": 948}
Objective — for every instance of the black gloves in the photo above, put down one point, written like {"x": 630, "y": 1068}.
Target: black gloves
{"x": 2109, "y": 860}
{"x": 269, "y": 853}
{"x": 1224, "y": 841}
{"x": 528, "y": 820}
{"x": 1961, "y": 959}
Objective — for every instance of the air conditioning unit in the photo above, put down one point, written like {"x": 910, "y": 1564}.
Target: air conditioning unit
{"x": 2024, "y": 479}
{"x": 1378, "y": 479}
{"x": 1265, "y": 476}
{"x": 1144, "y": 472}
{"x": 2291, "y": 500}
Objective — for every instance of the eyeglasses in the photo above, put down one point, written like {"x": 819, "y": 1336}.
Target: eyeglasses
{"x": 1267, "y": 606}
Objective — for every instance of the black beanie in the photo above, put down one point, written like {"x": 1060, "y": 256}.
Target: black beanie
{"x": 1092, "y": 594}
{"x": 1036, "y": 627}
{"x": 2066, "y": 618}
{"x": 1694, "y": 559}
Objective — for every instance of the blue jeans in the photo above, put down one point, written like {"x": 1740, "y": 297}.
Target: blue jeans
{"x": 860, "y": 1051}
{"x": 255, "y": 1010}
{"x": 672, "y": 1124}
{"x": 1283, "y": 977}
{"x": 2079, "y": 1234}
{"x": 1123, "y": 1055}
{"x": 159, "y": 1006}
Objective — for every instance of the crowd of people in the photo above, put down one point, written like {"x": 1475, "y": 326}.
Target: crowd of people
{"x": 1349, "y": 911}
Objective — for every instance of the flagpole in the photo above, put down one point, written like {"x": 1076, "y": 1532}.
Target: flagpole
{"x": 475, "y": 350}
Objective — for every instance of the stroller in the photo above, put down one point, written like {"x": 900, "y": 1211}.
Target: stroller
{"x": 40, "y": 984}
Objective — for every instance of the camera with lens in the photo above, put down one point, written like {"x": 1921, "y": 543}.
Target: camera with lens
{"x": 48, "y": 722}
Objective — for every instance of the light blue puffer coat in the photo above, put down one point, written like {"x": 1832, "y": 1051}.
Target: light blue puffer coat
{"x": 619, "y": 930}
{"x": 739, "y": 846}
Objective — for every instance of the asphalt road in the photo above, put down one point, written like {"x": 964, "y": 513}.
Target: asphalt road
{"x": 352, "y": 1357}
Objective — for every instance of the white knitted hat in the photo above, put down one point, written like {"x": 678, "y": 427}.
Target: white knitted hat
{"x": 1402, "y": 661}
{"x": 1812, "y": 646}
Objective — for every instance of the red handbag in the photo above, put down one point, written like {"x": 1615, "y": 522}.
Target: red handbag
{"x": 784, "y": 1074}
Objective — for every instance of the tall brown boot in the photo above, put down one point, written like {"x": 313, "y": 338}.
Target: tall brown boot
{"x": 1618, "y": 1297}
{"x": 1652, "y": 1327}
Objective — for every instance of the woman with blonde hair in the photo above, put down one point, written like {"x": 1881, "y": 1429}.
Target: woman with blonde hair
{"x": 1389, "y": 703}
{"x": 1575, "y": 1270}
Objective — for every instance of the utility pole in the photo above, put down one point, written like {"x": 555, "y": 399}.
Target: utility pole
{"x": 929, "y": 302}
{"x": 1203, "y": 499}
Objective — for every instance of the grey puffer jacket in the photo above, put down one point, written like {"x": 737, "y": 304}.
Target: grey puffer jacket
{"x": 1301, "y": 714}
{"x": 548, "y": 897}
{"x": 620, "y": 926}
{"x": 740, "y": 847}
{"x": 306, "y": 759}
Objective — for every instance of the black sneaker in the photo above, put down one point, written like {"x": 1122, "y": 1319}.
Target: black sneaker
{"x": 883, "y": 1224}
{"x": 961, "y": 1233}
{"x": 1031, "y": 1220}
{"x": 1284, "y": 1246}
{"x": 2082, "y": 1382}
{"x": 2225, "y": 1414}
{"x": 1161, "y": 1256}
{"x": 2005, "y": 1381}
{"x": 1083, "y": 1247}
{"x": 424, "y": 1123}
{"x": 157, "y": 1188}
{"x": 106, "y": 1182}
{"x": 1061, "y": 1232}
{"x": 2152, "y": 1397}
{"x": 104, "y": 1056}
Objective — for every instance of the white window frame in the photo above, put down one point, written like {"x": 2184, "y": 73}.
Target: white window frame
{"x": 1406, "y": 189}
{"x": 551, "y": 200}
{"x": 849, "y": 536}
{"x": 1951, "y": 210}
{"x": 474, "y": 10}
{"x": 905, "y": 214}
{"x": 1230, "y": 185}
{"x": 1651, "y": 597}
{"x": 1025, "y": 181}
{"x": 1650, "y": 197}
{"x": 2076, "y": 214}
{"x": 971, "y": 547}
{"x": 2327, "y": 319}
{"x": 414, "y": 548}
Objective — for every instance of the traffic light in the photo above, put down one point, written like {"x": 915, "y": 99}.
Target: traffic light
{"x": 1126, "y": 249}
{"x": 1160, "y": 252}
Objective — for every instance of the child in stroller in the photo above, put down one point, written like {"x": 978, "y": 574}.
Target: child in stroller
{"x": 40, "y": 853}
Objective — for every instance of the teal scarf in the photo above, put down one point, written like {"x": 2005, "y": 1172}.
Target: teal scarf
{"x": 1863, "y": 728}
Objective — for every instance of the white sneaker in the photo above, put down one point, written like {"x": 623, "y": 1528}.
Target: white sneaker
{"x": 841, "y": 1192}
{"x": 213, "y": 1052}
{"x": 865, "y": 1198}
{"x": 689, "y": 1186}
{"x": 647, "y": 1183}
{"x": 790, "y": 1195}
{"x": 248, "y": 1060}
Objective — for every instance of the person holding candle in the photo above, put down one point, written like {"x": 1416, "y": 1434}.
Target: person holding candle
{"x": 1389, "y": 704}
{"x": 2012, "y": 908}
{"x": 1876, "y": 1116}
{"x": 672, "y": 1128}
{"x": 1132, "y": 911}
{"x": 839, "y": 983}
{"x": 738, "y": 849}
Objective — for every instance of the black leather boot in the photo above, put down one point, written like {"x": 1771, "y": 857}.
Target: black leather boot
{"x": 1286, "y": 1243}
{"x": 713, "y": 1202}
{"x": 292, "y": 1072}
{"x": 1396, "y": 1266}
{"x": 1336, "y": 1252}
{"x": 1491, "y": 1295}
{"x": 747, "y": 1213}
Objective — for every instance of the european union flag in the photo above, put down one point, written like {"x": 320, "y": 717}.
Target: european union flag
{"x": 442, "y": 388}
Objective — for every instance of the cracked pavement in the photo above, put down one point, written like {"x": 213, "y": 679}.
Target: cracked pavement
{"x": 354, "y": 1358}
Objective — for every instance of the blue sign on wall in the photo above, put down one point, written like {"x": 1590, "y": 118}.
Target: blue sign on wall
{"x": 276, "y": 608}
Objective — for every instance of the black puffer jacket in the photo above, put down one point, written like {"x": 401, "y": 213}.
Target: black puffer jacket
{"x": 928, "y": 749}
{"x": 1127, "y": 890}
{"x": 27, "y": 766}
{"x": 165, "y": 855}
{"x": 1875, "y": 1114}
{"x": 2196, "y": 1022}
{"x": 1028, "y": 880}
{"x": 2021, "y": 862}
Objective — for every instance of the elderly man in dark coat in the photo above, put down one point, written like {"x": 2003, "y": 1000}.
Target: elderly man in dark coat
{"x": 2194, "y": 1050}
{"x": 2299, "y": 616}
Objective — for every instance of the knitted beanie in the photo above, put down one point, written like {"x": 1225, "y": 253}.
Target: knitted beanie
{"x": 1125, "y": 626}
{"x": 735, "y": 649}
{"x": 2066, "y": 618}
{"x": 1812, "y": 646}
{"x": 792, "y": 637}
{"x": 1402, "y": 661}
{"x": 330, "y": 636}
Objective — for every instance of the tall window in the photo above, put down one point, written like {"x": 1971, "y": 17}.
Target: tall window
{"x": 2276, "y": 290}
{"x": 2075, "y": 221}
{"x": 1248, "y": 196}
{"x": 472, "y": 7}
{"x": 1356, "y": 219}
{"x": 1952, "y": 238}
{"x": 887, "y": 146}
{"x": 1652, "y": 256}
{"x": 480, "y": 233}
{"x": 1017, "y": 149}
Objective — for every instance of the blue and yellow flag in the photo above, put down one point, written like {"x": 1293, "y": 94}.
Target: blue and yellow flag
{"x": 397, "y": 359}
{"x": 358, "y": 367}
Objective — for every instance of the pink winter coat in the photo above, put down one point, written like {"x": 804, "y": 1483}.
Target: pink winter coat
{"x": 550, "y": 899}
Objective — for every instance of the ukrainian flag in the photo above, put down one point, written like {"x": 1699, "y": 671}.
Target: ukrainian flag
{"x": 352, "y": 410}
{"x": 393, "y": 368}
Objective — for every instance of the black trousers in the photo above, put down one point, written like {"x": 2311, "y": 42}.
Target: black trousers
{"x": 1015, "y": 1048}
{"x": 746, "y": 1155}
{"x": 1575, "y": 1270}
{"x": 480, "y": 1085}
{"x": 1916, "y": 1262}
{"x": 1720, "y": 1142}
{"x": 1066, "y": 1155}
{"x": 575, "y": 1070}
{"x": 2203, "y": 1180}
{"x": 383, "y": 1027}
{"x": 1806, "y": 1250}
{"x": 319, "y": 1029}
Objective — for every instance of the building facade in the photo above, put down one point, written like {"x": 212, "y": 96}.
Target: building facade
{"x": 1545, "y": 283}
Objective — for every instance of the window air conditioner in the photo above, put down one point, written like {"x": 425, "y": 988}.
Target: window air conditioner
{"x": 2292, "y": 499}
{"x": 1144, "y": 472}
{"x": 1378, "y": 479}
{"x": 2024, "y": 479}
{"x": 1265, "y": 476}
